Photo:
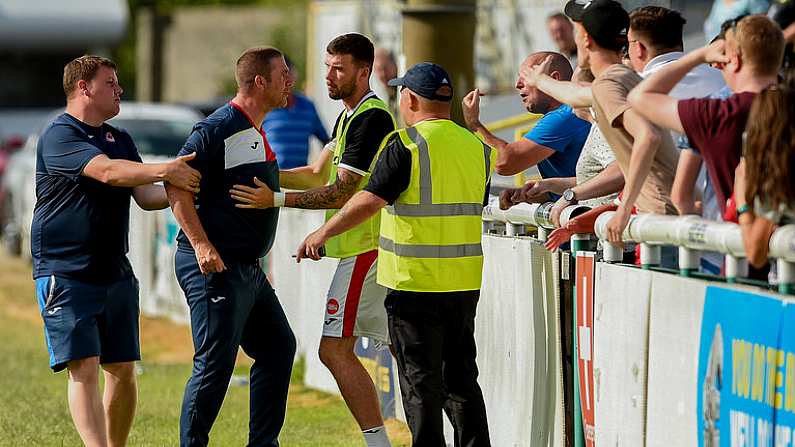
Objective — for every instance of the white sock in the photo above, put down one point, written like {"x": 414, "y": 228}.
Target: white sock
{"x": 376, "y": 437}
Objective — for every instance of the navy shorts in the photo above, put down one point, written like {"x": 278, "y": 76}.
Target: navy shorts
{"x": 84, "y": 320}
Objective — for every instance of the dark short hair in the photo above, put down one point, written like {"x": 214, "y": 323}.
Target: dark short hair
{"x": 254, "y": 61}
{"x": 662, "y": 27}
{"x": 83, "y": 68}
{"x": 357, "y": 45}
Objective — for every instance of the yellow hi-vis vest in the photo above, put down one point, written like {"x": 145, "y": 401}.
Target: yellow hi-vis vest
{"x": 363, "y": 237}
{"x": 430, "y": 237}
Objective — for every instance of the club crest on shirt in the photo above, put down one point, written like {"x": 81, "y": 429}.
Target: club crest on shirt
{"x": 332, "y": 306}
{"x": 109, "y": 138}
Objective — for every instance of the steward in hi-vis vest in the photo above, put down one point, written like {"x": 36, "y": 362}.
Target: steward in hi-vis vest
{"x": 363, "y": 237}
{"x": 430, "y": 235}
{"x": 430, "y": 183}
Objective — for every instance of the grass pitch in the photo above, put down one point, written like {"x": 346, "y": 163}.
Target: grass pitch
{"x": 33, "y": 407}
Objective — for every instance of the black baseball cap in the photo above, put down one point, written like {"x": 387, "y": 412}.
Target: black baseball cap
{"x": 782, "y": 12}
{"x": 428, "y": 80}
{"x": 606, "y": 21}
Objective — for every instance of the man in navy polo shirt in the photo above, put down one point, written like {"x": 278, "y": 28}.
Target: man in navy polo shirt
{"x": 86, "y": 172}
{"x": 231, "y": 303}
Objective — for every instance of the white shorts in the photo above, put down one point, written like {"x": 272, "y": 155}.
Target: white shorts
{"x": 355, "y": 302}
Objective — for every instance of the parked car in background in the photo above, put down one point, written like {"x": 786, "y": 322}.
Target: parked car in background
{"x": 159, "y": 131}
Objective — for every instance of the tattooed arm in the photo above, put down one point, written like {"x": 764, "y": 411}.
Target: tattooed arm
{"x": 331, "y": 196}
{"x": 363, "y": 205}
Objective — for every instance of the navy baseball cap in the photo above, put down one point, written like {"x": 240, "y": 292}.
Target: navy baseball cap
{"x": 428, "y": 80}
{"x": 606, "y": 21}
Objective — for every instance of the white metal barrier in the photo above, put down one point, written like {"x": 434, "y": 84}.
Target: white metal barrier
{"x": 518, "y": 347}
{"x": 649, "y": 334}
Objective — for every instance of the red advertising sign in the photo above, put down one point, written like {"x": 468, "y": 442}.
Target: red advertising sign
{"x": 585, "y": 282}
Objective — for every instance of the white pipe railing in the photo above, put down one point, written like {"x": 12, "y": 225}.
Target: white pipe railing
{"x": 535, "y": 214}
{"x": 690, "y": 234}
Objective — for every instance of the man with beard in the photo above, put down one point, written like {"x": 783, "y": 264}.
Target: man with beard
{"x": 355, "y": 302}
{"x": 231, "y": 302}
{"x": 554, "y": 143}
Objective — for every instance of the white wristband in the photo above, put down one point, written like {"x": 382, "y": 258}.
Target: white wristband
{"x": 278, "y": 199}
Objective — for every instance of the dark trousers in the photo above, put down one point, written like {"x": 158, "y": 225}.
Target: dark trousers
{"x": 433, "y": 338}
{"x": 235, "y": 308}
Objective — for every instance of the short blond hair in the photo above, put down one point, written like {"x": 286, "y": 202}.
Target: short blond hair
{"x": 760, "y": 42}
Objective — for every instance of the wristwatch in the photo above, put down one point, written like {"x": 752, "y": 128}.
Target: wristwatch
{"x": 568, "y": 195}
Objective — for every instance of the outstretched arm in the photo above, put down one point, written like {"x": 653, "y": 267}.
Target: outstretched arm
{"x": 314, "y": 175}
{"x": 647, "y": 140}
{"x": 125, "y": 173}
{"x": 567, "y": 92}
{"x": 584, "y": 223}
{"x": 332, "y": 196}
{"x": 512, "y": 158}
{"x": 361, "y": 206}
{"x": 326, "y": 197}
{"x": 650, "y": 98}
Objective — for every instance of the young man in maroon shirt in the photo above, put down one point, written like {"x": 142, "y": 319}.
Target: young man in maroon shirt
{"x": 749, "y": 57}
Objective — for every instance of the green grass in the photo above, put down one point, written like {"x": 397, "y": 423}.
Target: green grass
{"x": 33, "y": 407}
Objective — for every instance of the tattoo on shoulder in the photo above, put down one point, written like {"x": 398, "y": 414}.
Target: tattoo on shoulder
{"x": 330, "y": 196}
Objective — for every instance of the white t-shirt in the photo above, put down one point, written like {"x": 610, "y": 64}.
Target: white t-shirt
{"x": 596, "y": 155}
{"x": 700, "y": 82}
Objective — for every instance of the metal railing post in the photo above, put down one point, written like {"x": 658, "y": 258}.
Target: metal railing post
{"x": 689, "y": 261}
{"x": 786, "y": 276}
{"x": 650, "y": 255}
{"x": 735, "y": 268}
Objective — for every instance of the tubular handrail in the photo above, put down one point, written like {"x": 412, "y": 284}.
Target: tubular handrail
{"x": 535, "y": 214}
{"x": 691, "y": 234}
{"x": 513, "y": 121}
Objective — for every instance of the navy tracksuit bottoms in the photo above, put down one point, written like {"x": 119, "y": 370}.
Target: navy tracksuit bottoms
{"x": 231, "y": 309}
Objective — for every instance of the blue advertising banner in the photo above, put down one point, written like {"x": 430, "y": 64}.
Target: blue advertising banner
{"x": 377, "y": 360}
{"x": 746, "y": 371}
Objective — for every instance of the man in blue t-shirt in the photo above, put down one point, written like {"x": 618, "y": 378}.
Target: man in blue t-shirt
{"x": 231, "y": 302}
{"x": 289, "y": 128}
{"x": 554, "y": 144}
{"x": 86, "y": 172}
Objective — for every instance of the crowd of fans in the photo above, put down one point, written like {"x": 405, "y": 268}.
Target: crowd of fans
{"x": 651, "y": 129}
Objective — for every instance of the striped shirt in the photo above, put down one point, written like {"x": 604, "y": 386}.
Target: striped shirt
{"x": 288, "y": 130}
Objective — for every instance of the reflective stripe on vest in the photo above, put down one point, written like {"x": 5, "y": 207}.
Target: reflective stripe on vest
{"x": 431, "y": 251}
{"x": 435, "y": 247}
{"x": 426, "y": 207}
{"x": 441, "y": 209}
